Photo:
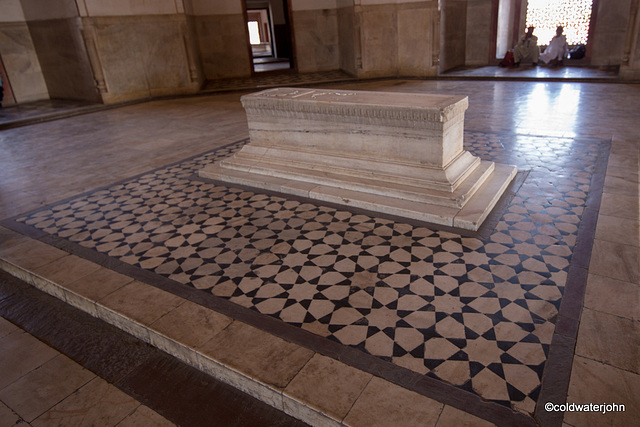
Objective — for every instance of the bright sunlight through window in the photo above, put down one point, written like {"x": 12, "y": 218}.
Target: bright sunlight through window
{"x": 573, "y": 15}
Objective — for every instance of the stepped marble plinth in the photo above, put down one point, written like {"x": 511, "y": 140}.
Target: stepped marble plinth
{"x": 397, "y": 153}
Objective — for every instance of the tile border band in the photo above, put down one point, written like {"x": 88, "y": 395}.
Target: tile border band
{"x": 558, "y": 362}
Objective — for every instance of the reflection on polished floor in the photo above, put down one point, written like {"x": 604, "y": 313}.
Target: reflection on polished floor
{"x": 540, "y": 72}
{"x": 340, "y": 316}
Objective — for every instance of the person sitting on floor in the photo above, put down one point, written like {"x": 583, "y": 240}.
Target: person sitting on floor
{"x": 527, "y": 49}
{"x": 557, "y": 50}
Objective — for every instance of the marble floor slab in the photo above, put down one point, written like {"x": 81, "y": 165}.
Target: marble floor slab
{"x": 475, "y": 313}
{"x": 560, "y": 132}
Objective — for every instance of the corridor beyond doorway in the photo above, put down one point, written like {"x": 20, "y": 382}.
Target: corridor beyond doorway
{"x": 269, "y": 35}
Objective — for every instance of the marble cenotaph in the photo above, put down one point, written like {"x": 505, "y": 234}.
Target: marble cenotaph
{"x": 397, "y": 153}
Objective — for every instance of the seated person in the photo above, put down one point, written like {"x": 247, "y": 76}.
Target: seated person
{"x": 557, "y": 49}
{"x": 526, "y": 49}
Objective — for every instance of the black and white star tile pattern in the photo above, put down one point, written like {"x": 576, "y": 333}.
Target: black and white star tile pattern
{"x": 473, "y": 312}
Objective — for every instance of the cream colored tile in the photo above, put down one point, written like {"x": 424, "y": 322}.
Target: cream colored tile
{"x": 257, "y": 354}
{"x": 613, "y": 296}
{"x": 32, "y": 279}
{"x": 42, "y": 388}
{"x": 615, "y": 260}
{"x": 618, "y": 230}
{"x": 385, "y": 404}
{"x": 629, "y": 174}
{"x": 98, "y": 403}
{"x": 623, "y": 158}
{"x": 626, "y": 185}
{"x": 141, "y": 302}
{"x": 609, "y": 339}
{"x": 67, "y": 269}
{"x": 10, "y": 238}
{"x": 31, "y": 254}
{"x": 620, "y": 205}
{"x": 84, "y": 292}
{"x": 327, "y": 386}
{"x": 597, "y": 383}
{"x": 189, "y": 325}
{"x": 452, "y": 417}
{"x": 136, "y": 306}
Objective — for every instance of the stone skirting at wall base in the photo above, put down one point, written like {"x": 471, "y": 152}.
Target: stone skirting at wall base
{"x": 398, "y": 154}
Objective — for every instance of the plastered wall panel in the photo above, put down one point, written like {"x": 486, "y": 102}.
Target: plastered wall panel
{"x": 63, "y": 59}
{"x": 223, "y": 46}
{"x": 379, "y": 42}
{"x": 130, "y": 7}
{"x": 37, "y": 10}
{"x": 316, "y": 35}
{"x": 415, "y": 41}
{"x": 142, "y": 56}
{"x": 11, "y": 11}
{"x": 610, "y": 32}
{"x": 478, "y": 34}
{"x": 216, "y": 7}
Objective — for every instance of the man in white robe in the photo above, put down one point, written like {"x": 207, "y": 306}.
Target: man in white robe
{"x": 557, "y": 49}
{"x": 527, "y": 49}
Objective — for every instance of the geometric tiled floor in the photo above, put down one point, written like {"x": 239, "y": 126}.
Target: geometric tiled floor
{"x": 477, "y": 312}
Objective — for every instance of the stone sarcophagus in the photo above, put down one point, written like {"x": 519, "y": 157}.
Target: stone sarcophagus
{"x": 397, "y": 153}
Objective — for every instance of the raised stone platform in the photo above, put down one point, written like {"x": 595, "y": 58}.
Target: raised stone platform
{"x": 396, "y": 153}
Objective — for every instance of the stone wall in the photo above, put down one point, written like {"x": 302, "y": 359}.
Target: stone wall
{"x": 349, "y": 39}
{"x": 22, "y": 67}
{"x": 57, "y": 39}
{"x": 71, "y": 77}
{"x": 609, "y": 34}
{"x": 453, "y": 34}
{"x": 141, "y": 56}
{"x": 139, "y": 49}
{"x": 316, "y": 35}
{"x": 388, "y": 38}
{"x": 114, "y": 51}
{"x": 630, "y": 68}
{"x": 478, "y": 34}
{"x": 222, "y": 41}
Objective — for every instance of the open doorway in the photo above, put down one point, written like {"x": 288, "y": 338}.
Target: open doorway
{"x": 269, "y": 34}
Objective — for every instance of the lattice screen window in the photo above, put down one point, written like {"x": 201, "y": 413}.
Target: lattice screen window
{"x": 573, "y": 15}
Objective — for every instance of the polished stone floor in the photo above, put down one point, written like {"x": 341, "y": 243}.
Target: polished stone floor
{"x": 489, "y": 325}
{"x": 540, "y": 72}
{"x": 477, "y": 313}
